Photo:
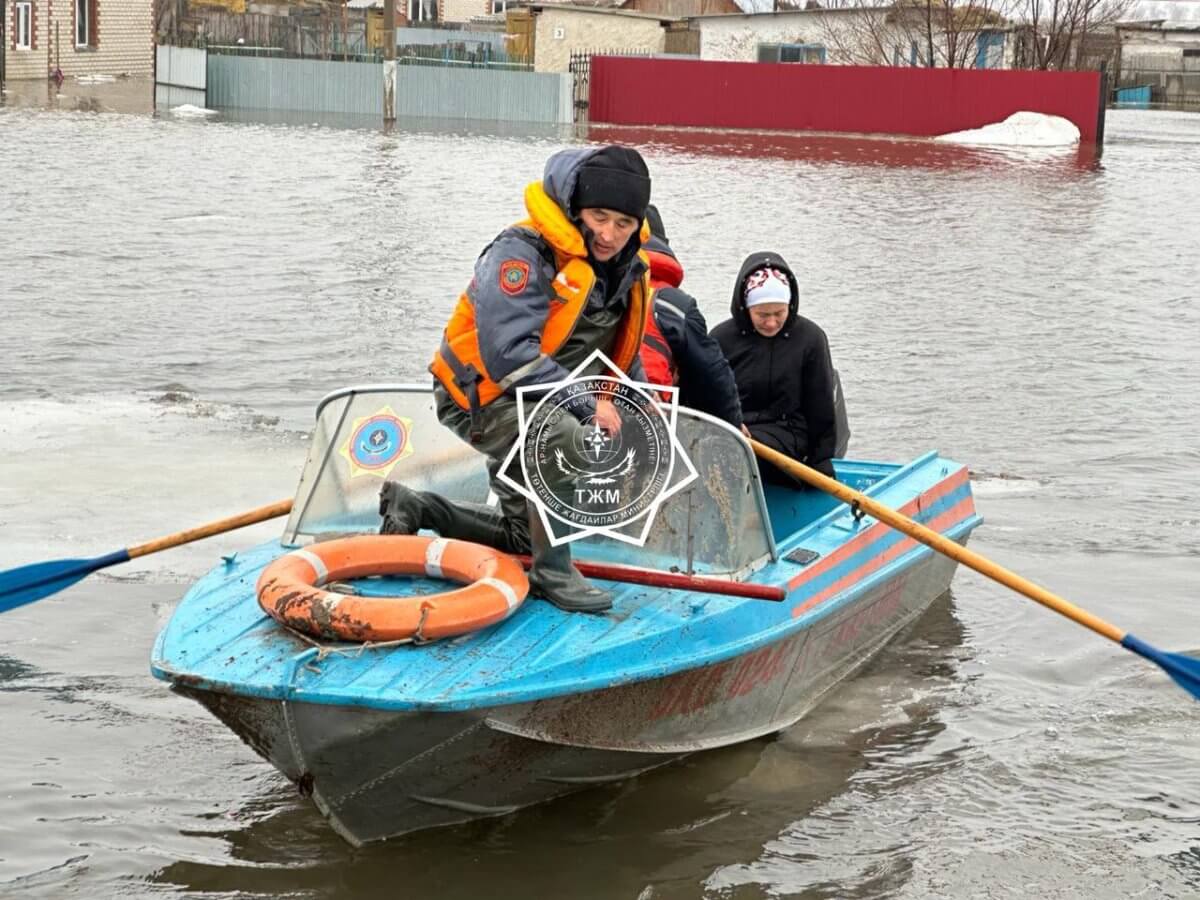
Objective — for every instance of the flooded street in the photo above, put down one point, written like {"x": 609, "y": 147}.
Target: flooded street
{"x": 176, "y": 294}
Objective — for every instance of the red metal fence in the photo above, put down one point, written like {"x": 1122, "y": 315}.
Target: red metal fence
{"x": 860, "y": 99}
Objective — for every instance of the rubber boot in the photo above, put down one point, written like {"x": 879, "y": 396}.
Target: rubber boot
{"x": 400, "y": 509}
{"x": 469, "y": 522}
{"x": 554, "y": 577}
{"x": 406, "y": 511}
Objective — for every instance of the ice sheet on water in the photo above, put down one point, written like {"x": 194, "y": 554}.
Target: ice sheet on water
{"x": 91, "y": 474}
{"x": 985, "y": 484}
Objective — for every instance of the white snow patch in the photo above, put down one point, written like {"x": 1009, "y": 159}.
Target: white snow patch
{"x": 95, "y": 79}
{"x": 1021, "y": 129}
{"x": 188, "y": 109}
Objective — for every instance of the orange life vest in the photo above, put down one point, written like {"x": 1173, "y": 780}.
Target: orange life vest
{"x": 458, "y": 363}
{"x": 657, "y": 359}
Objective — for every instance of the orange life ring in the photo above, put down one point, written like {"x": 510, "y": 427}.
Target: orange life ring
{"x": 289, "y": 589}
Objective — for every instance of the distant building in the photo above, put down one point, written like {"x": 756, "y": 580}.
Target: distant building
{"x": 891, "y": 34}
{"x": 802, "y": 36}
{"x": 1162, "y": 58}
{"x": 465, "y": 11}
{"x": 556, "y": 30}
{"x": 82, "y": 37}
{"x": 1164, "y": 41}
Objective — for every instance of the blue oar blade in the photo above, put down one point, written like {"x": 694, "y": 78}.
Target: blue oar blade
{"x": 1184, "y": 670}
{"x": 33, "y": 582}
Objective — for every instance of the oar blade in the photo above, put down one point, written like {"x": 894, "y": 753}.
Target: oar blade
{"x": 37, "y": 580}
{"x": 1184, "y": 670}
{"x": 33, "y": 582}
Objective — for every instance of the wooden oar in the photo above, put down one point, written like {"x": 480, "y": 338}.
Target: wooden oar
{"x": 1183, "y": 669}
{"x": 37, "y": 580}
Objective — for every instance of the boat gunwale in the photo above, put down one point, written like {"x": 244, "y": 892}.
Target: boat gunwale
{"x": 550, "y": 689}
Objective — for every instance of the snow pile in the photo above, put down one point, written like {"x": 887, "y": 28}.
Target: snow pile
{"x": 1021, "y": 129}
{"x": 96, "y": 79}
{"x": 188, "y": 109}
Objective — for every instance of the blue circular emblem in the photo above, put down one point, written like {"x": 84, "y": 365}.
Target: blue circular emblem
{"x": 378, "y": 441}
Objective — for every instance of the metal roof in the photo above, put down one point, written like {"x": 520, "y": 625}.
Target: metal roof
{"x": 1172, "y": 12}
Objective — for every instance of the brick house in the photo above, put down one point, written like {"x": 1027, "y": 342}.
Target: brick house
{"x": 466, "y": 10}
{"x": 82, "y": 37}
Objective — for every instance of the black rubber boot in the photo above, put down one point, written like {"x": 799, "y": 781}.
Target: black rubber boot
{"x": 470, "y": 522}
{"x": 554, "y": 577}
{"x": 406, "y": 511}
{"x": 400, "y": 509}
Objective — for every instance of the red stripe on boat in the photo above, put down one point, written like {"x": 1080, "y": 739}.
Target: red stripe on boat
{"x": 960, "y": 511}
{"x": 860, "y": 542}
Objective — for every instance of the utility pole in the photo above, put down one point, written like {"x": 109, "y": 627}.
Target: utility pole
{"x": 389, "y": 63}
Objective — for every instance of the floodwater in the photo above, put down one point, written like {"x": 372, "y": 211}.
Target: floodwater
{"x": 177, "y": 293}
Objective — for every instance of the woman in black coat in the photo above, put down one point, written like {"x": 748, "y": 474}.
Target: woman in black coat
{"x": 785, "y": 376}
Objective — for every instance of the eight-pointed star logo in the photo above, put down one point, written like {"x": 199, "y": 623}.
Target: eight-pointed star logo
{"x": 583, "y": 475}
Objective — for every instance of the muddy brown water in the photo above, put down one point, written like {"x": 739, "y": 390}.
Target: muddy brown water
{"x": 176, "y": 294}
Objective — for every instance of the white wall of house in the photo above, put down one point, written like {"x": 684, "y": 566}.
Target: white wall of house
{"x": 467, "y": 11}
{"x": 29, "y": 60}
{"x": 561, "y": 31}
{"x": 1167, "y": 44}
{"x": 736, "y": 38}
{"x": 839, "y": 31}
{"x": 121, "y": 40}
{"x": 463, "y": 10}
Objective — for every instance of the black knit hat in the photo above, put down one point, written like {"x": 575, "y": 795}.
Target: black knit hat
{"x": 613, "y": 178}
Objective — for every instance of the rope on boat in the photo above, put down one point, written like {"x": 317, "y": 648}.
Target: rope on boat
{"x": 324, "y": 650}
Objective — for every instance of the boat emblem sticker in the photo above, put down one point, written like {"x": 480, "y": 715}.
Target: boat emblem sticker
{"x": 514, "y": 275}
{"x": 597, "y": 455}
{"x": 377, "y": 442}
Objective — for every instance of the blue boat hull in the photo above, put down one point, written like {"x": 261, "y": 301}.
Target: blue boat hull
{"x": 393, "y": 739}
{"x": 377, "y": 774}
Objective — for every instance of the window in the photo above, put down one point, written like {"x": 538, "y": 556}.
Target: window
{"x": 422, "y": 10}
{"x": 24, "y": 26}
{"x": 498, "y": 6}
{"x": 85, "y": 23}
{"x": 791, "y": 53}
{"x": 802, "y": 53}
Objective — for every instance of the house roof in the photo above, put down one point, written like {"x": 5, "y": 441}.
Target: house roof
{"x": 1173, "y": 12}
{"x": 746, "y": 6}
{"x": 603, "y": 11}
{"x": 1160, "y": 26}
{"x": 753, "y": 7}
{"x": 787, "y": 13}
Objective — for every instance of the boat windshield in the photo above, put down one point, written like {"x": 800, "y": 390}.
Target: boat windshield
{"x": 718, "y": 524}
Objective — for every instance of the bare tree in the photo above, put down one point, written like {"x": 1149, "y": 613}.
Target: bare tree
{"x": 1055, "y": 32}
{"x": 943, "y": 33}
{"x": 859, "y": 33}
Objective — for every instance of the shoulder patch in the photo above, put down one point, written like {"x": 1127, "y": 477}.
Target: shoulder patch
{"x": 514, "y": 275}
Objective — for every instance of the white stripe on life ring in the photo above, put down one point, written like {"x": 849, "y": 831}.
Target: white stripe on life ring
{"x": 433, "y": 558}
{"x": 318, "y": 565}
{"x": 510, "y": 596}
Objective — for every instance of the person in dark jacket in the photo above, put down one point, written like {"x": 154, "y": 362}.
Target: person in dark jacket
{"x": 784, "y": 372}
{"x": 677, "y": 349}
{"x": 550, "y": 290}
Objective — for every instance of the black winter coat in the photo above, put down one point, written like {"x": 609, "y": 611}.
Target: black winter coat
{"x": 786, "y": 382}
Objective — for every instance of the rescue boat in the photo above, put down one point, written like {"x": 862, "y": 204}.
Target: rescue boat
{"x": 404, "y": 732}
